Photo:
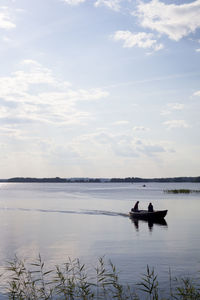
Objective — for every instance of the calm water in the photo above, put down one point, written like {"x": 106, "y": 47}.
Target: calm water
{"x": 90, "y": 220}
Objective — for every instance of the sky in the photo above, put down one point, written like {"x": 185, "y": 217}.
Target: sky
{"x": 102, "y": 88}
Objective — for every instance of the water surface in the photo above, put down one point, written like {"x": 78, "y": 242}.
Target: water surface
{"x": 86, "y": 221}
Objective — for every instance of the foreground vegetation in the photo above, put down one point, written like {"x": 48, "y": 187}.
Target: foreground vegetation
{"x": 72, "y": 282}
{"x": 181, "y": 191}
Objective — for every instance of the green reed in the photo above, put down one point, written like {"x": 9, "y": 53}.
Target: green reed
{"x": 71, "y": 281}
{"x": 181, "y": 191}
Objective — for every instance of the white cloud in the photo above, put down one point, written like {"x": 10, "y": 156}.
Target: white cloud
{"x": 31, "y": 62}
{"x": 140, "y": 128}
{"x": 5, "y": 19}
{"x": 196, "y": 93}
{"x": 140, "y": 39}
{"x": 86, "y": 95}
{"x": 197, "y": 50}
{"x": 34, "y": 94}
{"x": 165, "y": 112}
{"x": 112, "y": 4}
{"x": 151, "y": 149}
{"x": 10, "y": 132}
{"x": 122, "y": 122}
{"x": 176, "y": 21}
{"x": 172, "y": 107}
{"x": 3, "y": 111}
{"x": 176, "y": 106}
{"x": 176, "y": 124}
{"x": 74, "y": 2}
{"x": 119, "y": 145}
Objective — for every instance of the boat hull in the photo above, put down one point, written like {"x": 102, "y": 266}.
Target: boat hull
{"x": 145, "y": 215}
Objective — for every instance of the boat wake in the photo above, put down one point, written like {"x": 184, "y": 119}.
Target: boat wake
{"x": 80, "y": 212}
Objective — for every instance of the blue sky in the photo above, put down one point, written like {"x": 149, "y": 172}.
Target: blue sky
{"x": 103, "y": 88}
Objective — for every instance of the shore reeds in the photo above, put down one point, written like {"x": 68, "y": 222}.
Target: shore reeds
{"x": 71, "y": 281}
{"x": 181, "y": 191}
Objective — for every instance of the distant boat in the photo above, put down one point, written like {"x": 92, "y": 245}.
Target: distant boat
{"x": 146, "y": 215}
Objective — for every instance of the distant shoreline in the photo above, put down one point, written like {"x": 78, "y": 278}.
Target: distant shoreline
{"x": 101, "y": 180}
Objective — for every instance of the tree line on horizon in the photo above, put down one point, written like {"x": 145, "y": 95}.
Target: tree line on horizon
{"x": 96, "y": 180}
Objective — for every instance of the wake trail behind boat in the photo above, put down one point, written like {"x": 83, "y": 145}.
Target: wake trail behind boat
{"x": 80, "y": 212}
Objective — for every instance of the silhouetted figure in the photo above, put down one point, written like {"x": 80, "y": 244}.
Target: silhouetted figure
{"x": 135, "y": 208}
{"x": 150, "y": 208}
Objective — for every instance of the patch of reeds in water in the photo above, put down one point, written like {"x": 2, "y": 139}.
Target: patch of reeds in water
{"x": 71, "y": 281}
{"x": 181, "y": 191}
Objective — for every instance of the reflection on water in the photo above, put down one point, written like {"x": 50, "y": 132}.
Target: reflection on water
{"x": 150, "y": 223}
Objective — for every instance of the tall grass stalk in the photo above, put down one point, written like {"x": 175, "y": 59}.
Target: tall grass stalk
{"x": 72, "y": 281}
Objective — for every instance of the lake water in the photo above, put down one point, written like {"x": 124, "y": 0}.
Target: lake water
{"x": 88, "y": 221}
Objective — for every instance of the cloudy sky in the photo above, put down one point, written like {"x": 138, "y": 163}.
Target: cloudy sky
{"x": 99, "y": 88}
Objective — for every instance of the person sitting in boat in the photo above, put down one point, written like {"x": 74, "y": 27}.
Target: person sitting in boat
{"x": 135, "y": 208}
{"x": 150, "y": 207}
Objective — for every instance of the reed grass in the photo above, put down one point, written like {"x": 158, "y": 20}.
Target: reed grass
{"x": 181, "y": 191}
{"x": 71, "y": 281}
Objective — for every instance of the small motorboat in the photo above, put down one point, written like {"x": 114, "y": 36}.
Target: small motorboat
{"x": 146, "y": 215}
